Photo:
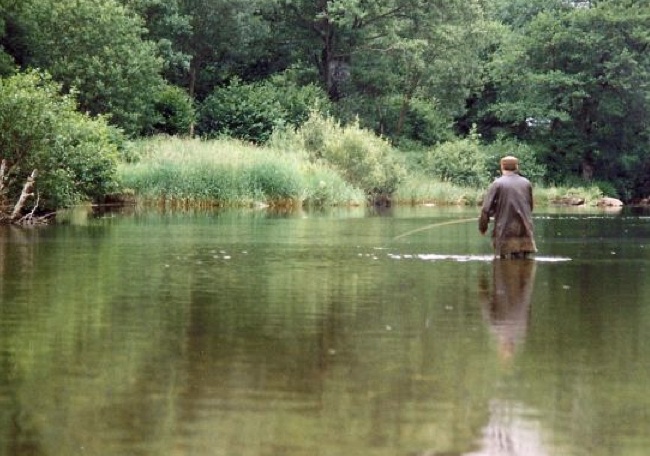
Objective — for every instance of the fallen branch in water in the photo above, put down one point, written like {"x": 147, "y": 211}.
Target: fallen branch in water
{"x": 15, "y": 217}
{"x": 30, "y": 219}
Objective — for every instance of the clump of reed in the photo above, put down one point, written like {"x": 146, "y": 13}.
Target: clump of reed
{"x": 419, "y": 189}
{"x": 550, "y": 195}
{"x": 226, "y": 172}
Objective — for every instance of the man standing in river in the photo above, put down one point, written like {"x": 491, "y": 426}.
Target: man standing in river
{"x": 509, "y": 200}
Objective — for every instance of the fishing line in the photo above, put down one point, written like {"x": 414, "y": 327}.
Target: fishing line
{"x": 435, "y": 225}
{"x": 459, "y": 257}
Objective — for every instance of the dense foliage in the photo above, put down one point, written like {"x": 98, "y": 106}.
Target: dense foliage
{"x": 253, "y": 111}
{"x": 75, "y": 156}
{"x": 565, "y": 82}
{"x": 581, "y": 78}
{"x": 365, "y": 160}
{"x": 95, "y": 47}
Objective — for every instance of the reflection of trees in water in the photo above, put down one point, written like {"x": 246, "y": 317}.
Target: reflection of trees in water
{"x": 19, "y": 259}
{"x": 84, "y": 363}
{"x": 20, "y": 426}
{"x": 234, "y": 357}
{"x": 239, "y": 356}
{"x": 359, "y": 373}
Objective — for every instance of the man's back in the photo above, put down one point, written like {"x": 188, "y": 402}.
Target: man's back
{"x": 510, "y": 201}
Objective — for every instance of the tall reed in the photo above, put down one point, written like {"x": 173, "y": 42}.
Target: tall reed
{"x": 419, "y": 189}
{"x": 226, "y": 172}
{"x": 230, "y": 173}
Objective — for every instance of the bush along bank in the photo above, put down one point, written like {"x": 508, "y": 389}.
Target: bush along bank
{"x": 324, "y": 163}
{"x": 320, "y": 164}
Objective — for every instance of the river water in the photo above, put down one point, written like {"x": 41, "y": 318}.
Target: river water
{"x": 324, "y": 333}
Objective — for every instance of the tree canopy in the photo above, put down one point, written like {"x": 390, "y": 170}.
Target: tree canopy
{"x": 568, "y": 78}
{"x": 580, "y": 79}
{"x": 41, "y": 129}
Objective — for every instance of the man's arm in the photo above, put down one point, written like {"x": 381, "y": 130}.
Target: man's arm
{"x": 483, "y": 222}
{"x": 487, "y": 208}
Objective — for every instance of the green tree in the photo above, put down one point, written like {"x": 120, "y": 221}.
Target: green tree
{"x": 14, "y": 32}
{"x": 385, "y": 60}
{"x": 505, "y": 20}
{"x": 578, "y": 82}
{"x": 168, "y": 27}
{"x": 96, "y": 47}
{"x": 519, "y": 13}
{"x": 225, "y": 40}
{"x": 420, "y": 68}
{"x": 41, "y": 129}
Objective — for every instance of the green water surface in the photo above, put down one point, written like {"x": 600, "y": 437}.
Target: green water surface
{"x": 241, "y": 333}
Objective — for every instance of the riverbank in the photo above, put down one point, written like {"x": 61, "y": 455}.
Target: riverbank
{"x": 228, "y": 173}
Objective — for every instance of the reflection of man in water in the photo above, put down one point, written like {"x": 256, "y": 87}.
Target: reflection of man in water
{"x": 509, "y": 200}
{"x": 506, "y": 306}
{"x": 512, "y": 429}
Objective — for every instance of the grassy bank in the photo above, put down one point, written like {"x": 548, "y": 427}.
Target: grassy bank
{"x": 423, "y": 190}
{"x": 191, "y": 172}
{"x": 230, "y": 173}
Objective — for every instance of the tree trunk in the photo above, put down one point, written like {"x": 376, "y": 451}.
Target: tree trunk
{"x": 192, "y": 89}
{"x": 406, "y": 103}
{"x": 26, "y": 193}
{"x": 3, "y": 170}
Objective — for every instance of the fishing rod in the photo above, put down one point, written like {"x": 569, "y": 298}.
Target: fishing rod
{"x": 435, "y": 225}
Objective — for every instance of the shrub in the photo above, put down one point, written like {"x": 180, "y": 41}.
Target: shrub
{"x": 252, "y": 112}
{"x": 364, "y": 159}
{"x": 298, "y": 102}
{"x": 425, "y": 123}
{"x": 247, "y": 112}
{"x": 528, "y": 163}
{"x": 467, "y": 162}
{"x": 75, "y": 155}
{"x": 461, "y": 162}
{"x": 175, "y": 112}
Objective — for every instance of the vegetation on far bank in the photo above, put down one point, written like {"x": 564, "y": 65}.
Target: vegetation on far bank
{"x": 291, "y": 171}
{"x": 182, "y": 172}
{"x": 322, "y": 162}
{"x": 339, "y": 102}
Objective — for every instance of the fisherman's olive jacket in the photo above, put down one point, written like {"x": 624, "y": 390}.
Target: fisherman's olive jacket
{"x": 509, "y": 200}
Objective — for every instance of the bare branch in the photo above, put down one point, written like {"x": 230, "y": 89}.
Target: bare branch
{"x": 3, "y": 170}
{"x": 26, "y": 193}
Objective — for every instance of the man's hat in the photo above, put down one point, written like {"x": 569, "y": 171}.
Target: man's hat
{"x": 510, "y": 163}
